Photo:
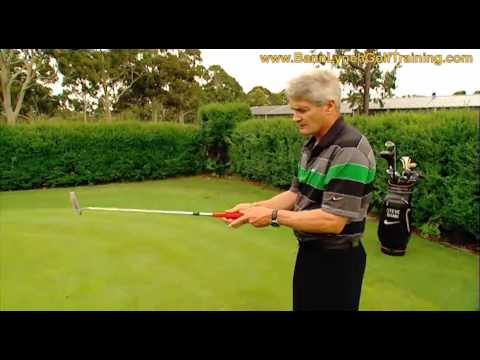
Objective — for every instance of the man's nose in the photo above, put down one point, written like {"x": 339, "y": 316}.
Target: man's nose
{"x": 296, "y": 118}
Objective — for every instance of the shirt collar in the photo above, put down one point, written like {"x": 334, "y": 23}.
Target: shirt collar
{"x": 329, "y": 138}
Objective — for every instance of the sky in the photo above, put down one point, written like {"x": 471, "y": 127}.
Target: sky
{"x": 412, "y": 78}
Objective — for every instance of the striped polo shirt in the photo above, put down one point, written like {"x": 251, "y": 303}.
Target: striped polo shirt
{"x": 336, "y": 175}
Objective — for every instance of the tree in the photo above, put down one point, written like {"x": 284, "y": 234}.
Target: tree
{"x": 261, "y": 96}
{"x": 258, "y": 96}
{"x": 39, "y": 100}
{"x": 184, "y": 90}
{"x": 220, "y": 86}
{"x": 78, "y": 70}
{"x": 116, "y": 71}
{"x": 151, "y": 89}
{"x": 476, "y": 92}
{"x": 100, "y": 75}
{"x": 170, "y": 84}
{"x": 279, "y": 98}
{"x": 461, "y": 92}
{"x": 20, "y": 70}
{"x": 363, "y": 76}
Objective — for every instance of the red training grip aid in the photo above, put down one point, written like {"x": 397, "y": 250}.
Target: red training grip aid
{"x": 228, "y": 215}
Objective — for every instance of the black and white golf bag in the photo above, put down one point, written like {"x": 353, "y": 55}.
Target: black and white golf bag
{"x": 394, "y": 227}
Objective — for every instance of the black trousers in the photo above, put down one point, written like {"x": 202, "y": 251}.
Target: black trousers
{"x": 328, "y": 279}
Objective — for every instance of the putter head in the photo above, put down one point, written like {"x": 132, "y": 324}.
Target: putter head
{"x": 389, "y": 144}
{"x": 75, "y": 204}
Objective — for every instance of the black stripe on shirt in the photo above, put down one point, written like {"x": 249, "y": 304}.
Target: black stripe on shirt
{"x": 348, "y": 187}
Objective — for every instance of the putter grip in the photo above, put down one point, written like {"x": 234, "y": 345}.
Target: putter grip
{"x": 228, "y": 215}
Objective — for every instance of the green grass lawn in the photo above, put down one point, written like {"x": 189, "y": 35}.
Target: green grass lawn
{"x": 52, "y": 259}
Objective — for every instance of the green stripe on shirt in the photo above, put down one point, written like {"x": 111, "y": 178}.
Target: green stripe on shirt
{"x": 347, "y": 171}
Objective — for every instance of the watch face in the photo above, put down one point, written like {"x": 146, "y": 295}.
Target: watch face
{"x": 274, "y": 221}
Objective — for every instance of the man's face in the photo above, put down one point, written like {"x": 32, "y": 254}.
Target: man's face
{"x": 309, "y": 118}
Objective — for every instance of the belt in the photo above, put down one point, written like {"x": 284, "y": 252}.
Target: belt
{"x": 319, "y": 244}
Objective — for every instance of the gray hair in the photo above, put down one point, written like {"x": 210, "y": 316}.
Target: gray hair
{"x": 316, "y": 86}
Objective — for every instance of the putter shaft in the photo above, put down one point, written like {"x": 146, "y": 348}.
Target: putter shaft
{"x": 218, "y": 214}
{"x": 167, "y": 212}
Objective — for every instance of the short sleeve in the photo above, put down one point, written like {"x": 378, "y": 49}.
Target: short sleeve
{"x": 294, "y": 186}
{"x": 348, "y": 184}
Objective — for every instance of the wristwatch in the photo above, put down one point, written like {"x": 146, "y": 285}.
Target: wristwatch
{"x": 274, "y": 221}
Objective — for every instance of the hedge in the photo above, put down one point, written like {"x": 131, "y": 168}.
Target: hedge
{"x": 442, "y": 143}
{"x": 217, "y": 122}
{"x": 266, "y": 150}
{"x": 35, "y": 156}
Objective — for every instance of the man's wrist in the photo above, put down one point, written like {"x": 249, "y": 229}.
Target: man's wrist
{"x": 274, "y": 220}
{"x": 285, "y": 217}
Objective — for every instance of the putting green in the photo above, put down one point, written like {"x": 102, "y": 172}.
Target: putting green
{"x": 52, "y": 259}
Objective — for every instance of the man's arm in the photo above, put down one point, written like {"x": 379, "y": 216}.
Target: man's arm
{"x": 312, "y": 221}
{"x": 285, "y": 201}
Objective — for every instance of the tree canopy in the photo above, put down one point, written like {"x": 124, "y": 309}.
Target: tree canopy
{"x": 360, "y": 72}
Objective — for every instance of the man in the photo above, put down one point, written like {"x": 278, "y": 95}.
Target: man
{"x": 328, "y": 200}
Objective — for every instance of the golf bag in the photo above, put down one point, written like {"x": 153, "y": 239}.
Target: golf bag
{"x": 394, "y": 226}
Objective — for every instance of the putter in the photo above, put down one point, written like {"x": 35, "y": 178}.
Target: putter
{"x": 218, "y": 214}
{"x": 390, "y": 145}
{"x": 389, "y": 157}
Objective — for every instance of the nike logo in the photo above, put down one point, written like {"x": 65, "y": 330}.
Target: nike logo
{"x": 334, "y": 198}
{"x": 386, "y": 222}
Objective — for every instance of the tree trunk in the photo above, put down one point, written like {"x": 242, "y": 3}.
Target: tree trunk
{"x": 107, "y": 109}
{"x": 6, "y": 80}
{"x": 25, "y": 84}
{"x": 7, "y": 105}
{"x": 11, "y": 118}
{"x": 6, "y": 100}
{"x": 181, "y": 117}
{"x": 106, "y": 104}
{"x": 3, "y": 80}
{"x": 366, "y": 89}
{"x": 155, "y": 111}
{"x": 84, "y": 108}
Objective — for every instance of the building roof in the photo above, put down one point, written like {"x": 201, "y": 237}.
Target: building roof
{"x": 420, "y": 102}
{"x": 429, "y": 102}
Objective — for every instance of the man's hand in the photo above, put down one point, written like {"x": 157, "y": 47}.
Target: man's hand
{"x": 239, "y": 207}
{"x": 258, "y": 216}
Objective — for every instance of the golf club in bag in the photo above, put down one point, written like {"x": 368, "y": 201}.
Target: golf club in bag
{"x": 218, "y": 214}
{"x": 394, "y": 227}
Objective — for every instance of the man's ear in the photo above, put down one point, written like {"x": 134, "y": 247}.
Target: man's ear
{"x": 331, "y": 106}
